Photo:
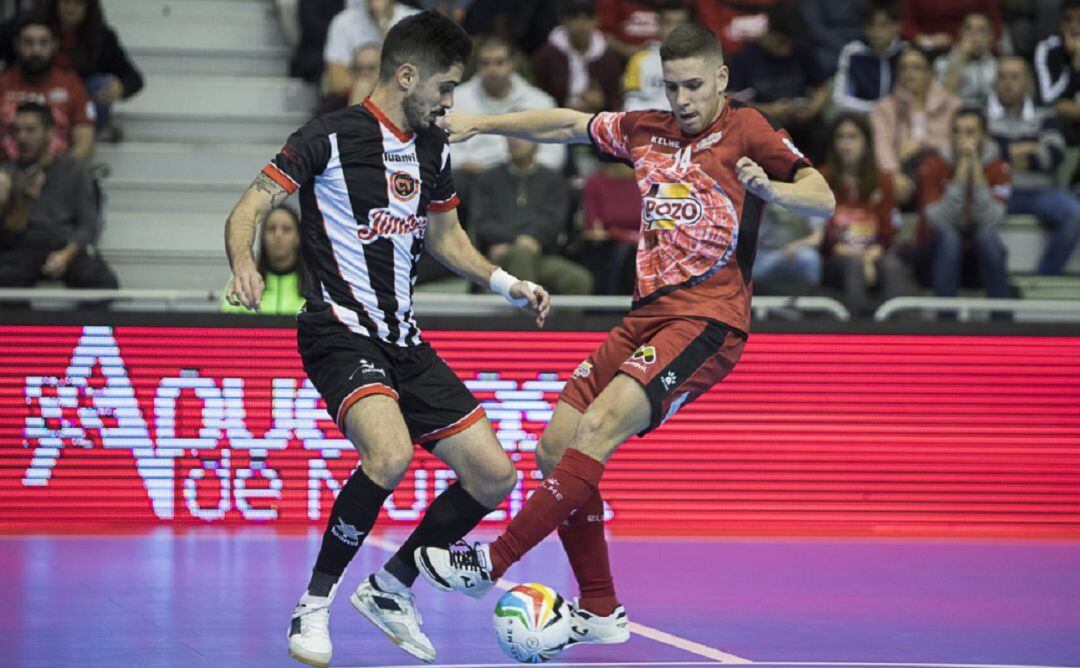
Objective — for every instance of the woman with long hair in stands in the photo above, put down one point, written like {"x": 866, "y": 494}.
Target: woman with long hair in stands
{"x": 858, "y": 238}
{"x": 91, "y": 48}
{"x": 280, "y": 263}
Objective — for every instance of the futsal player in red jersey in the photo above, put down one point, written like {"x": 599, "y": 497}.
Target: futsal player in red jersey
{"x": 706, "y": 169}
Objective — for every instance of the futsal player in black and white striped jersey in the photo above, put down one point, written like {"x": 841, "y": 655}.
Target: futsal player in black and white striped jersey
{"x": 375, "y": 189}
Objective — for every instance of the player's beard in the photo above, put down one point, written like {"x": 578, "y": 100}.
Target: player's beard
{"x": 417, "y": 115}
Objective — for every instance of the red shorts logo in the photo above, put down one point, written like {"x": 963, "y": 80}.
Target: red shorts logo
{"x": 403, "y": 185}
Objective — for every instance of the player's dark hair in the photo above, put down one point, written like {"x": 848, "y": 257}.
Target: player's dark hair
{"x": 263, "y": 265}
{"x": 890, "y": 8}
{"x": 971, "y": 111}
{"x": 429, "y": 40}
{"x": 866, "y": 170}
{"x": 690, "y": 40}
{"x": 40, "y": 110}
{"x": 1069, "y": 5}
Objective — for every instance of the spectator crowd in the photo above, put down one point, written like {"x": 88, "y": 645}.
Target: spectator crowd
{"x": 932, "y": 121}
{"x": 64, "y": 67}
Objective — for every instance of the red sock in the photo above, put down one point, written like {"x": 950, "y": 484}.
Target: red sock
{"x": 568, "y": 487}
{"x": 585, "y": 544}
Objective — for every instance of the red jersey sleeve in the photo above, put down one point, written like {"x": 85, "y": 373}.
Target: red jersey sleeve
{"x": 611, "y": 132}
{"x": 770, "y": 146}
{"x": 82, "y": 109}
{"x": 999, "y": 178}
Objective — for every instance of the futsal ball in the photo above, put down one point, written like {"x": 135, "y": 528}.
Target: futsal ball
{"x": 532, "y": 623}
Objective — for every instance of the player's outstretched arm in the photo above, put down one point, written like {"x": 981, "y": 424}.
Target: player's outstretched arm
{"x": 547, "y": 126}
{"x": 808, "y": 194}
{"x": 246, "y": 286}
{"x": 451, "y": 246}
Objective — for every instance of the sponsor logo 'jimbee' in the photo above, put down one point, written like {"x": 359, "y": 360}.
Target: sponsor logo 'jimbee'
{"x": 669, "y": 205}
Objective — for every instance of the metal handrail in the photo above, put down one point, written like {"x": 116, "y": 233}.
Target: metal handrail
{"x": 426, "y": 303}
{"x": 965, "y": 306}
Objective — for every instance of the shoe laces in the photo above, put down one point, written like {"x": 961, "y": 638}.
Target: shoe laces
{"x": 466, "y": 557}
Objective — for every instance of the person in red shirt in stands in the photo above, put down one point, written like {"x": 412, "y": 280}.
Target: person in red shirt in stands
{"x": 611, "y": 204}
{"x": 858, "y": 238}
{"x": 933, "y": 25}
{"x": 705, "y": 170}
{"x": 35, "y": 77}
{"x": 962, "y": 199}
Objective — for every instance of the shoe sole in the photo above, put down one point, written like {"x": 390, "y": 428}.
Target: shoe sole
{"x": 436, "y": 581}
{"x": 309, "y": 660}
{"x": 410, "y": 649}
{"x": 614, "y": 640}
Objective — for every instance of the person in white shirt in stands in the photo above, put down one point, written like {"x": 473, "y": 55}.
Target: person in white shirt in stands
{"x": 497, "y": 89}
{"x": 361, "y": 22}
{"x": 643, "y": 82}
{"x": 969, "y": 69}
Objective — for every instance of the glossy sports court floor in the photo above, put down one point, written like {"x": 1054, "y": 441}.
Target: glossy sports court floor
{"x": 222, "y": 598}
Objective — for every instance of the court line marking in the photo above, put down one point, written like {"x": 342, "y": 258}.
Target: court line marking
{"x": 858, "y": 664}
{"x": 715, "y": 655}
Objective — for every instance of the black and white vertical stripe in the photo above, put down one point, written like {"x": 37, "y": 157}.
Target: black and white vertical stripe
{"x": 366, "y": 277}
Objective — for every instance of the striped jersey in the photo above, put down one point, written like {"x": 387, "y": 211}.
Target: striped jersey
{"x": 366, "y": 188}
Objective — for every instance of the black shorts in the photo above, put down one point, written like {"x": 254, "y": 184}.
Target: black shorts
{"x": 346, "y": 367}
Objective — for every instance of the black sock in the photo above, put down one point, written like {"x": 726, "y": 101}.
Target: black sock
{"x": 449, "y": 517}
{"x": 354, "y": 513}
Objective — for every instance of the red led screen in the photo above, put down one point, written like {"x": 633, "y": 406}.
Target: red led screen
{"x": 812, "y": 434}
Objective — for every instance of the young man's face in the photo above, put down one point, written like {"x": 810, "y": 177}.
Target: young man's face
{"x": 35, "y": 47}
{"x": 693, "y": 87}
{"x": 1070, "y": 22}
{"x": 967, "y": 134}
{"x": 32, "y": 137}
{"x": 881, "y": 31}
{"x": 494, "y": 65}
{"x": 978, "y": 30}
{"x": 432, "y": 97}
{"x": 1010, "y": 85}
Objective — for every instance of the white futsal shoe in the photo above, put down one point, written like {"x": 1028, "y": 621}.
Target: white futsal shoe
{"x": 309, "y": 630}
{"x": 586, "y": 627}
{"x": 394, "y": 614}
{"x": 461, "y": 568}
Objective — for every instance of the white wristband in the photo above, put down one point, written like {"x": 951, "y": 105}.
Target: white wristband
{"x": 501, "y": 282}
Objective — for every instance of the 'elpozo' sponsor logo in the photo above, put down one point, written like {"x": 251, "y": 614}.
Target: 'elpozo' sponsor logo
{"x": 669, "y": 205}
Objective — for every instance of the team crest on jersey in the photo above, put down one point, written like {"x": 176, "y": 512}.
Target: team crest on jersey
{"x": 583, "y": 370}
{"x": 645, "y": 355}
{"x": 403, "y": 185}
{"x": 669, "y": 205}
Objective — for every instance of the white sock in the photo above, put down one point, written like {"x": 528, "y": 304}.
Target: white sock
{"x": 385, "y": 581}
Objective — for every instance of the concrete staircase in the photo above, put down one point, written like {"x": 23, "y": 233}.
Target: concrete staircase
{"x": 217, "y": 105}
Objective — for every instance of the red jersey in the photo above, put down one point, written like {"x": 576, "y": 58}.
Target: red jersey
{"x": 61, "y": 90}
{"x": 862, "y": 223}
{"x": 699, "y": 225}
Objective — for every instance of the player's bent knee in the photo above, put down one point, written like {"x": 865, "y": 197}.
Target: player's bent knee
{"x": 386, "y": 467}
{"x": 492, "y": 483}
{"x": 548, "y": 454}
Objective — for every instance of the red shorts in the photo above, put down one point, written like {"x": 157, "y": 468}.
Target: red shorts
{"x": 676, "y": 359}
